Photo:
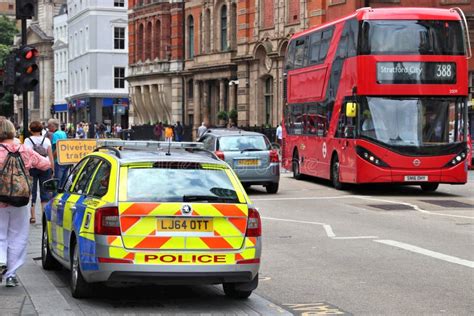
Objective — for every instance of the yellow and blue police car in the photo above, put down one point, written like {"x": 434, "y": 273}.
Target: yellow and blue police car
{"x": 152, "y": 212}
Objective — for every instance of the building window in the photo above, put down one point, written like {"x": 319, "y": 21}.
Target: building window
{"x": 190, "y": 37}
{"x": 148, "y": 41}
{"x": 119, "y": 77}
{"x": 139, "y": 43}
{"x": 10, "y": 7}
{"x": 268, "y": 100}
{"x": 190, "y": 89}
{"x": 224, "y": 28}
{"x": 119, "y": 38}
{"x": 119, "y": 3}
{"x": 157, "y": 41}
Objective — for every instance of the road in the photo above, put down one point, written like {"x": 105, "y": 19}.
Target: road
{"x": 372, "y": 250}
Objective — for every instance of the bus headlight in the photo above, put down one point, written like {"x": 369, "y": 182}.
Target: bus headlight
{"x": 370, "y": 157}
{"x": 460, "y": 157}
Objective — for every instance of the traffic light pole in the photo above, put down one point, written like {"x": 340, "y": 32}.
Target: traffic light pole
{"x": 25, "y": 93}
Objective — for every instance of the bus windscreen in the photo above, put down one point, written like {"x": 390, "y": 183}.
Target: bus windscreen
{"x": 411, "y": 37}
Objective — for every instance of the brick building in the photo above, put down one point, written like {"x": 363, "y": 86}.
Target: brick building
{"x": 230, "y": 57}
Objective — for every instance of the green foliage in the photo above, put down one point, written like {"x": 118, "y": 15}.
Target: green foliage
{"x": 233, "y": 115}
{"x": 8, "y": 31}
{"x": 222, "y": 115}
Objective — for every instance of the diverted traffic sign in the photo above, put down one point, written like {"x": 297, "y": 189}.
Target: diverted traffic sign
{"x": 71, "y": 151}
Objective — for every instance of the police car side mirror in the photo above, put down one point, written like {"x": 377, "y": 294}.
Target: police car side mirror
{"x": 51, "y": 185}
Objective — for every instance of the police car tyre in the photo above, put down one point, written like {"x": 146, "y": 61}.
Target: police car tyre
{"x": 48, "y": 262}
{"x": 79, "y": 286}
{"x": 272, "y": 187}
{"x": 429, "y": 187}
{"x": 232, "y": 292}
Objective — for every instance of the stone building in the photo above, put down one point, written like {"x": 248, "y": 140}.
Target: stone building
{"x": 231, "y": 56}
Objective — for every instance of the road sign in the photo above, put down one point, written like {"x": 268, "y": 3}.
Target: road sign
{"x": 71, "y": 151}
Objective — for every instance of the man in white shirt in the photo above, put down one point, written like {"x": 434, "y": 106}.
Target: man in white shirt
{"x": 279, "y": 135}
{"x": 202, "y": 129}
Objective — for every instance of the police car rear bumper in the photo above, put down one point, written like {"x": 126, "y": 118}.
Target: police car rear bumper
{"x": 164, "y": 274}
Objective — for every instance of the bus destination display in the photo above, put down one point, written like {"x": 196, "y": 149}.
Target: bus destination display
{"x": 416, "y": 73}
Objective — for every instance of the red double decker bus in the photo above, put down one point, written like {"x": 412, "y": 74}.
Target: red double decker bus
{"x": 379, "y": 96}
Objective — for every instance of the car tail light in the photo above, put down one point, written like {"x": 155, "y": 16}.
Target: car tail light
{"x": 113, "y": 260}
{"x": 107, "y": 221}
{"x": 254, "y": 224}
{"x": 274, "y": 156}
{"x": 219, "y": 154}
{"x": 249, "y": 261}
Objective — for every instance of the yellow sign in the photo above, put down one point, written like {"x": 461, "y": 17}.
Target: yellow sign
{"x": 71, "y": 151}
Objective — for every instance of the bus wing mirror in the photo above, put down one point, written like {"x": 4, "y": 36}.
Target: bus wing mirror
{"x": 351, "y": 109}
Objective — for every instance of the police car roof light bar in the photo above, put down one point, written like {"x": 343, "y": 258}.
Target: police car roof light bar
{"x": 148, "y": 144}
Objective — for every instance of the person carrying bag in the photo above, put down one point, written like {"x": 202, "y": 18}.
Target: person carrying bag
{"x": 15, "y": 163}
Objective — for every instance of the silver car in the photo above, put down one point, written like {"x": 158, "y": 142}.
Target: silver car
{"x": 249, "y": 154}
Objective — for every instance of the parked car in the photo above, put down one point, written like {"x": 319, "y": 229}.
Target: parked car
{"x": 250, "y": 155}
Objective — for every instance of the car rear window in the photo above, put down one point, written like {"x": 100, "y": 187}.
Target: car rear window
{"x": 180, "y": 183}
{"x": 244, "y": 142}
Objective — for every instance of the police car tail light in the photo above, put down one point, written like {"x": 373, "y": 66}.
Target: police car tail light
{"x": 274, "y": 156}
{"x": 254, "y": 224}
{"x": 219, "y": 154}
{"x": 107, "y": 221}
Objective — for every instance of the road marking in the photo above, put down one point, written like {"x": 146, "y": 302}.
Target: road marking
{"x": 427, "y": 252}
{"x": 315, "y": 309}
{"x": 414, "y": 206}
{"x": 327, "y": 228}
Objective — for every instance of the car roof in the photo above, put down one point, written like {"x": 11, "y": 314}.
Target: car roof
{"x": 231, "y": 132}
{"x": 128, "y": 156}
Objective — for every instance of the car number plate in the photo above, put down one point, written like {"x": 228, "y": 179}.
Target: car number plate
{"x": 416, "y": 178}
{"x": 185, "y": 225}
{"x": 248, "y": 162}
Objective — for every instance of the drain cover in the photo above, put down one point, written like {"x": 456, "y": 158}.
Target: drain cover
{"x": 448, "y": 203}
{"x": 392, "y": 207}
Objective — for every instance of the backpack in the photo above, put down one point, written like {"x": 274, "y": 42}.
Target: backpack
{"x": 15, "y": 187}
{"x": 39, "y": 148}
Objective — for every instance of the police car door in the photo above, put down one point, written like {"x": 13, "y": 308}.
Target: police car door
{"x": 77, "y": 197}
{"x": 57, "y": 210}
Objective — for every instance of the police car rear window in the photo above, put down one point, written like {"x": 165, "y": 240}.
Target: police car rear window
{"x": 180, "y": 183}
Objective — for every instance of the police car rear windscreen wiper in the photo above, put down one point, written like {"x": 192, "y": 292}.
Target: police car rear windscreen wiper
{"x": 209, "y": 198}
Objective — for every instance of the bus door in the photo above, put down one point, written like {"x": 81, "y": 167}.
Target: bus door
{"x": 344, "y": 142}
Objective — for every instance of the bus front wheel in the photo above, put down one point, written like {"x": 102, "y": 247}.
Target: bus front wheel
{"x": 335, "y": 171}
{"x": 429, "y": 187}
{"x": 296, "y": 166}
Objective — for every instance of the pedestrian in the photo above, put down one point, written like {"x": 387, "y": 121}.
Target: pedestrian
{"x": 80, "y": 131}
{"x": 178, "y": 131}
{"x": 14, "y": 219}
{"x": 202, "y": 129}
{"x": 168, "y": 133}
{"x": 59, "y": 170}
{"x": 42, "y": 145}
{"x": 158, "y": 131}
{"x": 86, "y": 129}
{"x": 97, "y": 130}
{"x": 279, "y": 135}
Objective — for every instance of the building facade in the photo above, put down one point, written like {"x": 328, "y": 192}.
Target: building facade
{"x": 230, "y": 58}
{"x": 60, "y": 52}
{"x": 97, "y": 61}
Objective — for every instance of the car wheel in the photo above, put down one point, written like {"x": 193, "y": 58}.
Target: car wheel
{"x": 295, "y": 166}
{"x": 335, "y": 170}
{"x": 232, "y": 292}
{"x": 272, "y": 187}
{"x": 429, "y": 187}
{"x": 79, "y": 286}
{"x": 48, "y": 262}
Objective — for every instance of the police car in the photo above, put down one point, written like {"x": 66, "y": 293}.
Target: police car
{"x": 152, "y": 212}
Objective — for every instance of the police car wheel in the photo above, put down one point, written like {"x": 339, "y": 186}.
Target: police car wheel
{"x": 232, "y": 292}
{"x": 79, "y": 286}
{"x": 48, "y": 262}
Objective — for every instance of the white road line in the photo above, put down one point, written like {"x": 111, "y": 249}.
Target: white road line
{"x": 414, "y": 206}
{"x": 327, "y": 228}
{"x": 427, "y": 252}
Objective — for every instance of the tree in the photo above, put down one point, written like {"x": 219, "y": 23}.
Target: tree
{"x": 7, "y": 33}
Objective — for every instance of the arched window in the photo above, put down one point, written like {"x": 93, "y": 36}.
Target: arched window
{"x": 190, "y": 37}
{"x": 223, "y": 28}
{"x": 233, "y": 26}
{"x": 268, "y": 99}
{"x": 157, "y": 40}
{"x": 139, "y": 44}
{"x": 148, "y": 41}
{"x": 207, "y": 32}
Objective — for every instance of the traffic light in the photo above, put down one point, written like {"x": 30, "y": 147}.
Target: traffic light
{"x": 25, "y": 9}
{"x": 26, "y": 69}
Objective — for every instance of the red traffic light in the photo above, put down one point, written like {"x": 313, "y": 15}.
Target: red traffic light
{"x": 31, "y": 53}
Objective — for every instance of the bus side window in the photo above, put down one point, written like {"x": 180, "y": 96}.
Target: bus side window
{"x": 300, "y": 53}
{"x": 346, "y": 127}
{"x": 326, "y": 40}
{"x": 315, "y": 40}
{"x": 290, "y": 56}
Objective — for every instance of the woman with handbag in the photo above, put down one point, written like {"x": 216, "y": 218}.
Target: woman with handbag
{"x": 15, "y": 193}
{"x": 42, "y": 145}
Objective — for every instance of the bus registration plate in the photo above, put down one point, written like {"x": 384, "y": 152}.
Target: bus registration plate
{"x": 416, "y": 178}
